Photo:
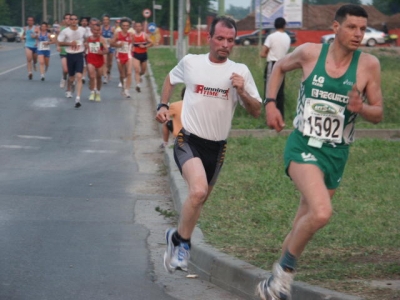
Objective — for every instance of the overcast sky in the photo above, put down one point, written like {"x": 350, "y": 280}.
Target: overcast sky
{"x": 246, "y": 3}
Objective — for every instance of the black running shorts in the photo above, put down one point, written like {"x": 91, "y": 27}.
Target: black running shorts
{"x": 75, "y": 63}
{"x": 211, "y": 153}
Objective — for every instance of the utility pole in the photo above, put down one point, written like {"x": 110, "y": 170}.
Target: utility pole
{"x": 180, "y": 53}
{"x": 154, "y": 12}
{"x": 44, "y": 17}
{"x": 171, "y": 23}
{"x": 198, "y": 27}
{"x": 221, "y": 7}
{"x": 70, "y": 6}
{"x": 55, "y": 11}
{"x": 23, "y": 13}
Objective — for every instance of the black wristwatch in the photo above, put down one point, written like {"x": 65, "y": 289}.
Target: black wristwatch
{"x": 162, "y": 105}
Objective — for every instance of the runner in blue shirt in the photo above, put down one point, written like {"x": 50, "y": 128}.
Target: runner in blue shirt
{"x": 44, "y": 39}
{"x": 29, "y": 35}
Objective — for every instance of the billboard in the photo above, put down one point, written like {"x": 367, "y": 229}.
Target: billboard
{"x": 266, "y": 11}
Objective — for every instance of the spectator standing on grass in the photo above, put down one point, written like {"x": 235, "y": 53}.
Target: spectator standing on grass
{"x": 214, "y": 86}
{"x": 339, "y": 82}
{"x": 275, "y": 47}
{"x": 174, "y": 125}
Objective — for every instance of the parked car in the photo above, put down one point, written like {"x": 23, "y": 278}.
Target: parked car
{"x": 19, "y": 30}
{"x": 252, "y": 38}
{"x": 371, "y": 38}
{"x": 7, "y": 34}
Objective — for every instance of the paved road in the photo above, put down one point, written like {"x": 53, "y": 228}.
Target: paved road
{"x": 78, "y": 191}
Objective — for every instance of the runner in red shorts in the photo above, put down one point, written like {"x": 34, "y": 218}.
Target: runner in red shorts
{"x": 122, "y": 41}
{"x": 96, "y": 47}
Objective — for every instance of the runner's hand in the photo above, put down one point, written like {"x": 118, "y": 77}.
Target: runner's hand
{"x": 237, "y": 82}
{"x": 162, "y": 115}
{"x": 273, "y": 117}
{"x": 355, "y": 103}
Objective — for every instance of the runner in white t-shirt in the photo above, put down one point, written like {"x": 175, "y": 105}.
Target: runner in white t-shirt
{"x": 214, "y": 86}
{"x": 73, "y": 38}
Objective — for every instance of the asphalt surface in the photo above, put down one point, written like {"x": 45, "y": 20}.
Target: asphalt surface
{"x": 78, "y": 193}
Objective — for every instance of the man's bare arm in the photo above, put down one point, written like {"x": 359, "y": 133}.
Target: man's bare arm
{"x": 372, "y": 109}
{"x": 163, "y": 113}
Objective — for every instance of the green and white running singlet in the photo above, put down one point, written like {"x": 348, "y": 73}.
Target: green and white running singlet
{"x": 322, "y": 104}
{"x": 324, "y": 125}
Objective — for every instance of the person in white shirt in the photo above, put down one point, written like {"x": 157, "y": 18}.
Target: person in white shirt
{"x": 214, "y": 86}
{"x": 275, "y": 47}
{"x": 73, "y": 38}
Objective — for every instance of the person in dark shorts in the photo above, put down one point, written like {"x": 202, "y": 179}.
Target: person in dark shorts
{"x": 214, "y": 86}
{"x": 141, "y": 41}
{"x": 73, "y": 38}
{"x": 337, "y": 78}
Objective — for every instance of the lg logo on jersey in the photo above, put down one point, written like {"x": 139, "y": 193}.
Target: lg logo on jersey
{"x": 318, "y": 81}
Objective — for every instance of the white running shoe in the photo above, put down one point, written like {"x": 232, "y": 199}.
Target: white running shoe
{"x": 278, "y": 286}
{"x": 68, "y": 94}
{"x": 175, "y": 257}
{"x": 98, "y": 97}
{"x": 105, "y": 79}
{"x": 92, "y": 96}
{"x": 127, "y": 94}
{"x": 62, "y": 83}
{"x": 120, "y": 84}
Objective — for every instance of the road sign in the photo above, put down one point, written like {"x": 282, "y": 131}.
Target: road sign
{"x": 146, "y": 13}
{"x": 152, "y": 27}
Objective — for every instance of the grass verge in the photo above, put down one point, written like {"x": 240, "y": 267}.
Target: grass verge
{"x": 253, "y": 204}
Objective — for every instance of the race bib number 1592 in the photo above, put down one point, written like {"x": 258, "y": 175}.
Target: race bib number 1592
{"x": 323, "y": 120}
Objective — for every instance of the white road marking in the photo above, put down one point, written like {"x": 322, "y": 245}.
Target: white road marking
{"x": 19, "y": 67}
{"x": 13, "y": 69}
{"x": 17, "y": 147}
{"x": 98, "y": 151}
{"x": 34, "y": 137}
{"x": 105, "y": 141}
{"x": 47, "y": 102}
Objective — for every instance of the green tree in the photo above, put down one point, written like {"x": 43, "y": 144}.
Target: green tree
{"x": 387, "y": 7}
{"x": 237, "y": 12}
{"x": 5, "y": 15}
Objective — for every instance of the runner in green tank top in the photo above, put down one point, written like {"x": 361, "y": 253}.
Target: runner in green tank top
{"x": 339, "y": 83}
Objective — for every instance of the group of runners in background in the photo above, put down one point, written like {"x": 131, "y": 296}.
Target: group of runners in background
{"x": 88, "y": 46}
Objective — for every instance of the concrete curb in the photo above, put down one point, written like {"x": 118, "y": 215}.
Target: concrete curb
{"x": 225, "y": 271}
